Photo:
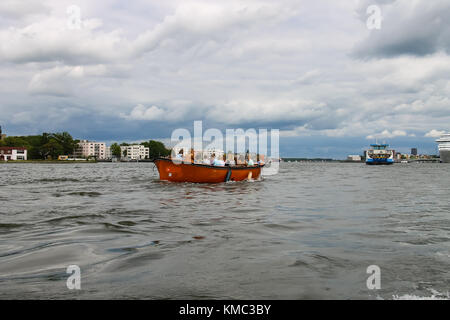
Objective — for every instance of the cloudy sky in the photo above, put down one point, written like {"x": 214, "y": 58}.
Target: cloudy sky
{"x": 316, "y": 70}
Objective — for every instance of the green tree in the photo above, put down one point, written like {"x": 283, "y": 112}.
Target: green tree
{"x": 66, "y": 141}
{"x": 115, "y": 150}
{"x": 43, "y": 146}
{"x": 157, "y": 149}
{"x": 15, "y": 142}
{"x": 52, "y": 149}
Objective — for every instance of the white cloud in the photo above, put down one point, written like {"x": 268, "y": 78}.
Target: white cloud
{"x": 434, "y": 133}
{"x": 50, "y": 40}
{"x": 140, "y": 112}
{"x": 63, "y": 80}
{"x": 172, "y": 113}
{"x": 387, "y": 134}
{"x": 247, "y": 111}
{"x": 197, "y": 21}
{"x": 17, "y": 9}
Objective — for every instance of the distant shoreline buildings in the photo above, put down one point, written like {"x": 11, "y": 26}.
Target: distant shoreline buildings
{"x": 398, "y": 156}
{"x": 48, "y": 146}
{"x": 356, "y": 158}
{"x": 99, "y": 150}
{"x": 134, "y": 152}
{"x": 13, "y": 153}
{"x": 88, "y": 149}
{"x": 61, "y": 146}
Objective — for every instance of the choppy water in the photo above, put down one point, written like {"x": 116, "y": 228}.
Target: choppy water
{"x": 309, "y": 232}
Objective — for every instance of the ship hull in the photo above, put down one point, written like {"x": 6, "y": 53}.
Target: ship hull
{"x": 445, "y": 156}
{"x": 379, "y": 162}
{"x": 198, "y": 173}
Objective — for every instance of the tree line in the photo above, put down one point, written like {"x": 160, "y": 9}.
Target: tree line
{"x": 44, "y": 146}
{"x": 52, "y": 145}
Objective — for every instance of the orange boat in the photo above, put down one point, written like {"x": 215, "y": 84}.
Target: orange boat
{"x": 177, "y": 171}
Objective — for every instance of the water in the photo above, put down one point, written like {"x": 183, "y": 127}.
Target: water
{"x": 309, "y": 232}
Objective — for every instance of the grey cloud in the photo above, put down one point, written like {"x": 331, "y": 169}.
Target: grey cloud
{"x": 12, "y": 9}
{"x": 189, "y": 25}
{"x": 408, "y": 28}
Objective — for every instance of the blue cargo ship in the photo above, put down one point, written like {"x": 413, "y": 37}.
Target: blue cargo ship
{"x": 379, "y": 154}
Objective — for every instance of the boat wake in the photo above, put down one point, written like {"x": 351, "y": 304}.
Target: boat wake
{"x": 435, "y": 295}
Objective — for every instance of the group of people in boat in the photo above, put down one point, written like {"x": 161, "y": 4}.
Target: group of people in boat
{"x": 213, "y": 160}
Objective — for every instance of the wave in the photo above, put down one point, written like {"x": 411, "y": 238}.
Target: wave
{"x": 435, "y": 295}
{"x": 85, "y": 193}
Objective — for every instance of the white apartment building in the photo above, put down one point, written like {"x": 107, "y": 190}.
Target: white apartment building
{"x": 90, "y": 149}
{"x": 13, "y": 153}
{"x": 354, "y": 158}
{"x": 135, "y": 152}
{"x": 108, "y": 154}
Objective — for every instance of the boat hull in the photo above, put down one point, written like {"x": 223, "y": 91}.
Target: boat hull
{"x": 445, "y": 156}
{"x": 198, "y": 173}
{"x": 379, "y": 162}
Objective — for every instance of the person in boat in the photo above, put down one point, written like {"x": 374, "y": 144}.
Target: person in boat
{"x": 192, "y": 155}
{"x": 219, "y": 163}
{"x": 216, "y": 161}
{"x": 180, "y": 154}
{"x": 259, "y": 160}
{"x": 250, "y": 161}
{"x": 206, "y": 160}
{"x": 240, "y": 160}
{"x": 198, "y": 158}
{"x": 230, "y": 162}
{"x": 224, "y": 160}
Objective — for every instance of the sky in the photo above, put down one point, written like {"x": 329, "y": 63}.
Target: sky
{"x": 320, "y": 71}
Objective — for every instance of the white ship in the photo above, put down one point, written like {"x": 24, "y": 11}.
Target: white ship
{"x": 444, "y": 147}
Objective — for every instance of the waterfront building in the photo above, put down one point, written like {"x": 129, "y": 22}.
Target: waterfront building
{"x": 354, "y": 158}
{"x": 108, "y": 154}
{"x": 13, "y": 153}
{"x": 135, "y": 152}
{"x": 87, "y": 149}
{"x": 414, "y": 151}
